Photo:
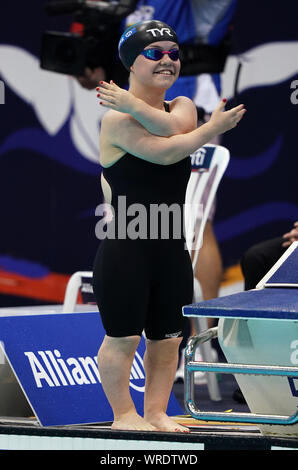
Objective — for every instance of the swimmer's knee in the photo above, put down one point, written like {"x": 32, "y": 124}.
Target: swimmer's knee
{"x": 123, "y": 344}
{"x": 163, "y": 350}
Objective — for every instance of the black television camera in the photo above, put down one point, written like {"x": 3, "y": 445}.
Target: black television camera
{"x": 96, "y": 44}
{"x": 70, "y": 54}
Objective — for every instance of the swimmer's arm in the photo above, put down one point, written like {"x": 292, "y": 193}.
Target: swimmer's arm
{"x": 182, "y": 117}
{"x": 133, "y": 138}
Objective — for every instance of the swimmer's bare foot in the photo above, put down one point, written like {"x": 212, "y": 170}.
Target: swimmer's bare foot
{"x": 166, "y": 424}
{"x": 132, "y": 422}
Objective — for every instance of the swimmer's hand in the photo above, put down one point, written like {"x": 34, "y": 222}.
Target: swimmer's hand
{"x": 112, "y": 96}
{"x": 222, "y": 121}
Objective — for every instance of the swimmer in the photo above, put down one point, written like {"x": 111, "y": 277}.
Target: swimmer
{"x": 141, "y": 284}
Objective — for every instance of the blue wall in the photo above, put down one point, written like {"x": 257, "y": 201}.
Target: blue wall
{"x": 258, "y": 197}
{"x": 49, "y": 188}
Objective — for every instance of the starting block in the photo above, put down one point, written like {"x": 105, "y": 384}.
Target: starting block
{"x": 258, "y": 333}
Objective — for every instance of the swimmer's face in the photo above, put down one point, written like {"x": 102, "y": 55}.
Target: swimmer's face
{"x": 162, "y": 72}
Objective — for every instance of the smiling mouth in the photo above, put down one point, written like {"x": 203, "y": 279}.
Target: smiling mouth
{"x": 165, "y": 72}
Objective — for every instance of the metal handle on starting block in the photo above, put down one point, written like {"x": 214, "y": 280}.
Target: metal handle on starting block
{"x": 192, "y": 366}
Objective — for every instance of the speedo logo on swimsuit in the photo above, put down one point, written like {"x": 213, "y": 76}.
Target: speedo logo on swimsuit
{"x": 173, "y": 335}
{"x": 50, "y": 369}
{"x": 159, "y": 32}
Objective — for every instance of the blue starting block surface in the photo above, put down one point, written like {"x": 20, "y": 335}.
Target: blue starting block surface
{"x": 270, "y": 303}
{"x": 284, "y": 273}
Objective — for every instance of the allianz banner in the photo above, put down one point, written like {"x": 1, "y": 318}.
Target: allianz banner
{"x": 54, "y": 359}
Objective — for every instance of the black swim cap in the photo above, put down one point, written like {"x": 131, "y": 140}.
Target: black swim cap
{"x": 139, "y": 35}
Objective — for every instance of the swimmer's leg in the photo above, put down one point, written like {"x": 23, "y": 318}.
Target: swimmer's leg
{"x": 115, "y": 359}
{"x": 160, "y": 362}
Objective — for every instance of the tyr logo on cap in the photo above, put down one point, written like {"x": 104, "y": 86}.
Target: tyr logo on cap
{"x": 159, "y": 32}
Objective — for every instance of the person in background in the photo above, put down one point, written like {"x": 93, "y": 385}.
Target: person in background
{"x": 260, "y": 258}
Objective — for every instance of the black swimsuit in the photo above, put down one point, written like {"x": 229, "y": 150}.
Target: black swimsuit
{"x": 142, "y": 283}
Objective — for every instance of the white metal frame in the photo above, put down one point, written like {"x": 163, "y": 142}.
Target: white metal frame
{"x": 194, "y": 228}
